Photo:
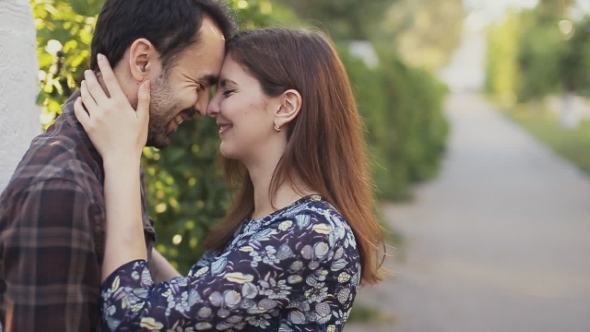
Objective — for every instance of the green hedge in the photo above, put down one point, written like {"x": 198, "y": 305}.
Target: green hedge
{"x": 406, "y": 128}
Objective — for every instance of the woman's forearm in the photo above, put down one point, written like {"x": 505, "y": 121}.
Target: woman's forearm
{"x": 161, "y": 269}
{"x": 124, "y": 228}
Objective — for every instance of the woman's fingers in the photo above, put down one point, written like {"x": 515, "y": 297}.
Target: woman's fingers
{"x": 81, "y": 114}
{"x": 87, "y": 98}
{"x": 94, "y": 88}
{"x": 114, "y": 126}
{"x": 143, "y": 104}
{"x": 111, "y": 82}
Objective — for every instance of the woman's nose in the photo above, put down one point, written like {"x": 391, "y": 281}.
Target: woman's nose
{"x": 213, "y": 107}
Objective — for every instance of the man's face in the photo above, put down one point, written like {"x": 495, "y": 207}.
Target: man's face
{"x": 183, "y": 90}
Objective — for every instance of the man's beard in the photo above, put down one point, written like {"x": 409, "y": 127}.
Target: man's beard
{"x": 161, "y": 103}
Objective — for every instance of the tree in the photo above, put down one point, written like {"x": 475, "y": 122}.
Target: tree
{"x": 539, "y": 52}
{"x": 541, "y": 47}
{"x": 574, "y": 69}
{"x": 63, "y": 50}
{"x": 344, "y": 19}
{"x": 552, "y": 11}
{"x": 425, "y": 33}
{"x": 502, "y": 71}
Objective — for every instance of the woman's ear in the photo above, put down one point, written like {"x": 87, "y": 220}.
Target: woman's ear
{"x": 289, "y": 108}
{"x": 144, "y": 60}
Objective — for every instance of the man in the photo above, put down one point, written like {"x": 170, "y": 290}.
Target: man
{"x": 52, "y": 214}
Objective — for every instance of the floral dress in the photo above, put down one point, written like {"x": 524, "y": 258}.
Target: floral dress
{"x": 297, "y": 269}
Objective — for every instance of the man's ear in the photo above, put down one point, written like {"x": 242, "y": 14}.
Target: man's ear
{"x": 289, "y": 108}
{"x": 144, "y": 60}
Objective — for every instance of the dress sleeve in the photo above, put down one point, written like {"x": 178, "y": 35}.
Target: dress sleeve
{"x": 246, "y": 285}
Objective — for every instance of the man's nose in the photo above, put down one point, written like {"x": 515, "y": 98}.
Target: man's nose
{"x": 202, "y": 104}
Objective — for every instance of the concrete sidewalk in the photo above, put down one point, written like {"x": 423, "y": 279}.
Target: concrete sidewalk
{"x": 499, "y": 242}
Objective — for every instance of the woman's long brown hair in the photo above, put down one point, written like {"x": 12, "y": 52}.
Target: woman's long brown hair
{"x": 325, "y": 147}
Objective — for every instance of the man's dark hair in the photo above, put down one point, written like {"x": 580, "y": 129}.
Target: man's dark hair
{"x": 170, "y": 25}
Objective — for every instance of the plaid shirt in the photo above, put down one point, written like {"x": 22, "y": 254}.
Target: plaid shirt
{"x": 52, "y": 229}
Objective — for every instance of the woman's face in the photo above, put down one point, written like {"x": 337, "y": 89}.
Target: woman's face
{"x": 245, "y": 115}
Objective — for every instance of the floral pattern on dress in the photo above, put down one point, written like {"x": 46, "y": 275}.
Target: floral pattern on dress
{"x": 297, "y": 269}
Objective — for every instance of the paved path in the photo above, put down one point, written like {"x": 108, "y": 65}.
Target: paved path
{"x": 499, "y": 242}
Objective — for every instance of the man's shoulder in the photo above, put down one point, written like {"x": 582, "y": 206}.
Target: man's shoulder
{"x": 54, "y": 156}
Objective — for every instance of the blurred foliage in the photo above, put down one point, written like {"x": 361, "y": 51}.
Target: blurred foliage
{"x": 187, "y": 196}
{"x": 373, "y": 314}
{"x": 501, "y": 66}
{"x": 538, "y": 52}
{"x": 64, "y": 34}
{"x": 415, "y": 127}
{"x": 411, "y": 28}
{"x": 344, "y": 19}
{"x": 540, "y": 48}
{"x": 406, "y": 128}
{"x": 426, "y": 32}
{"x": 551, "y": 11}
{"x": 575, "y": 62}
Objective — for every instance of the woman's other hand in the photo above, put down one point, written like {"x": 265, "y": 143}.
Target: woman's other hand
{"x": 115, "y": 128}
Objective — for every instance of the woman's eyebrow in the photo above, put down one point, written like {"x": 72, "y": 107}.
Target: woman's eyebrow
{"x": 225, "y": 81}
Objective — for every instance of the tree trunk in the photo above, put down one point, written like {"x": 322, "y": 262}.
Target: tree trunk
{"x": 19, "y": 85}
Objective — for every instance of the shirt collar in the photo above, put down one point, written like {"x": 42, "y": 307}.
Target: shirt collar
{"x": 70, "y": 117}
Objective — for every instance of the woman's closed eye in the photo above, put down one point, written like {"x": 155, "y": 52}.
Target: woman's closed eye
{"x": 227, "y": 93}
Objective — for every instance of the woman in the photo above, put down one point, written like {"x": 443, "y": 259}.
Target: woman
{"x": 300, "y": 236}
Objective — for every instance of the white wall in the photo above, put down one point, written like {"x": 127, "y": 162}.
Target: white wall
{"x": 19, "y": 114}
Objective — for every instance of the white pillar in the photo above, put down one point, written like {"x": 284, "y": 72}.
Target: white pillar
{"x": 19, "y": 86}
